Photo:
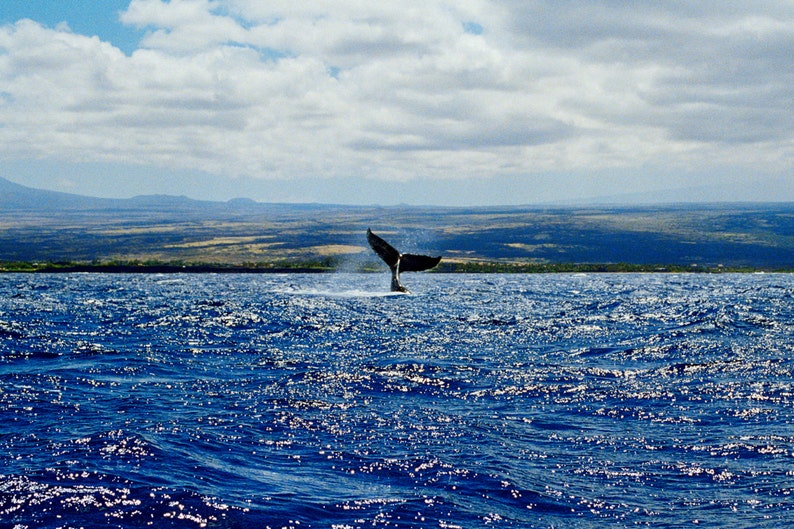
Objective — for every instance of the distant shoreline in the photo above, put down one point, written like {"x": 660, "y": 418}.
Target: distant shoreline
{"x": 41, "y": 232}
{"x": 153, "y": 269}
{"x": 484, "y": 267}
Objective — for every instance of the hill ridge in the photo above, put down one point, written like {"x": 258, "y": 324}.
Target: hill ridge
{"x": 49, "y": 226}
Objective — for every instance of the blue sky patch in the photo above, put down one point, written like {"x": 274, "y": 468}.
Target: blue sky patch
{"x": 85, "y": 17}
{"x": 472, "y": 28}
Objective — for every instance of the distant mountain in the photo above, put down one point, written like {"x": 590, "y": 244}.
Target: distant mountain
{"x": 16, "y": 197}
{"x": 37, "y": 225}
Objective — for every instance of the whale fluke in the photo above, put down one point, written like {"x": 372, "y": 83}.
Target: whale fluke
{"x": 397, "y": 262}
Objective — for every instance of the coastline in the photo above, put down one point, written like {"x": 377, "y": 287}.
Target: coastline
{"x": 480, "y": 267}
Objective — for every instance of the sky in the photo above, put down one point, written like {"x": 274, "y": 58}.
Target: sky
{"x": 464, "y": 102}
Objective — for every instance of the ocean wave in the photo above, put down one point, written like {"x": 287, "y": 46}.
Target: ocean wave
{"x": 321, "y": 401}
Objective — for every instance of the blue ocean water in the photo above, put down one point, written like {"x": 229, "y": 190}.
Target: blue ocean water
{"x": 323, "y": 401}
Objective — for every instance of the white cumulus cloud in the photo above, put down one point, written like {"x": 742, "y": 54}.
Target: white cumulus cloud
{"x": 397, "y": 90}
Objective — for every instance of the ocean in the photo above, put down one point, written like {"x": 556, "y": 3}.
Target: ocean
{"x": 324, "y": 401}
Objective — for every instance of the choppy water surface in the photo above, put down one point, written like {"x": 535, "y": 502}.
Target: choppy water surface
{"x": 321, "y": 401}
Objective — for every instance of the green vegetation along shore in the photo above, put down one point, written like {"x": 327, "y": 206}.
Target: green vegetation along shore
{"x": 328, "y": 266}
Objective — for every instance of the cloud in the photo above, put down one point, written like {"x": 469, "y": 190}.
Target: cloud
{"x": 182, "y": 25}
{"x": 701, "y": 72}
{"x": 407, "y": 89}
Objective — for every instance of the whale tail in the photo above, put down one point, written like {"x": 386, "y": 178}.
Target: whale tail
{"x": 398, "y": 262}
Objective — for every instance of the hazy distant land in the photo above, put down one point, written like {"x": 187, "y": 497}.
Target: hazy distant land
{"x": 57, "y": 231}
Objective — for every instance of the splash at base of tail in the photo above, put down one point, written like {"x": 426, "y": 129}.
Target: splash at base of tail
{"x": 399, "y": 262}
